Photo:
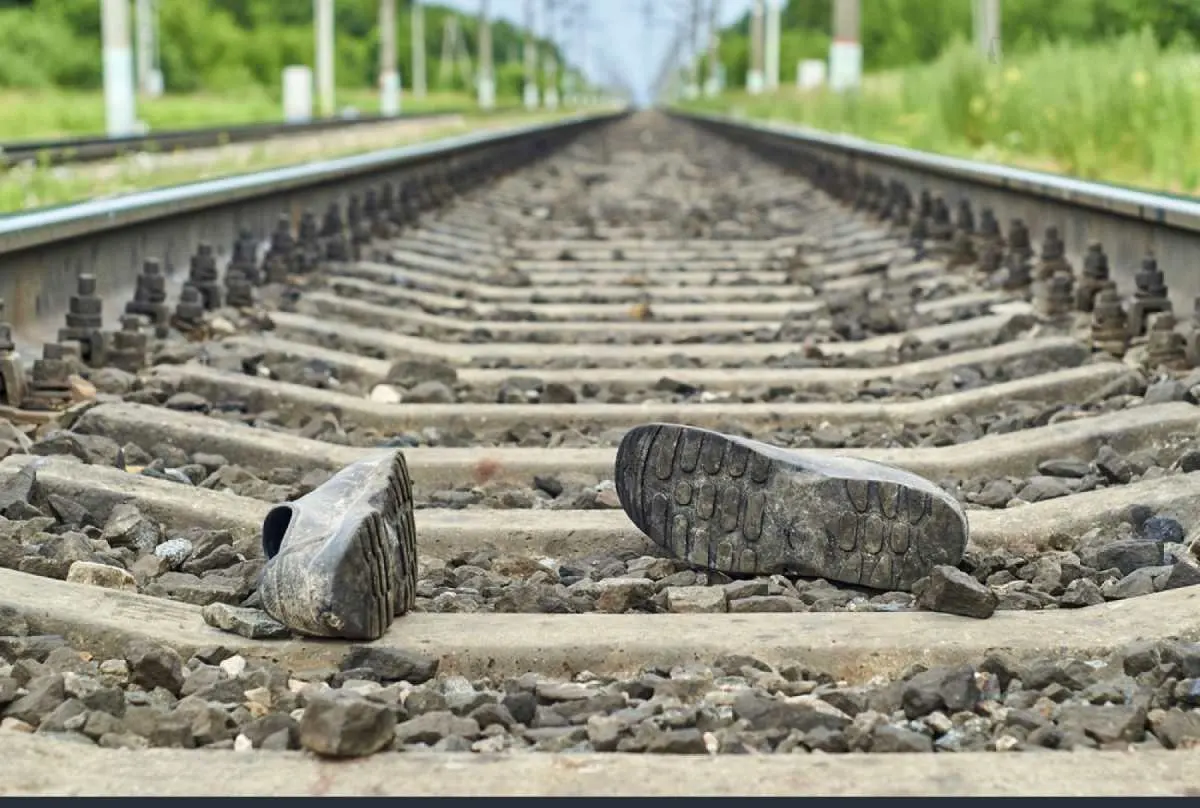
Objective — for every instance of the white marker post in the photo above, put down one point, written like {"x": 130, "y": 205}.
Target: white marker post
{"x": 297, "y": 94}
{"x": 550, "y": 64}
{"x": 487, "y": 76}
{"x": 417, "y": 17}
{"x": 754, "y": 78}
{"x": 845, "y": 54}
{"x": 771, "y": 51}
{"x": 712, "y": 81}
{"x": 810, "y": 74}
{"x": 531, "y": 94}
{"x": 323, "y": 17}
{"x": 120, "y": 108}
{"x": 389, "y": 77}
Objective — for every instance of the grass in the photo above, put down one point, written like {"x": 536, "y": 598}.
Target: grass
{"x": 1125, "y": 111}
{"x": 30, "y": 186}
{"x": 50, "y": 114}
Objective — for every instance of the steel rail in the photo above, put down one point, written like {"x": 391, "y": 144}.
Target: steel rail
{"x": 1128, "y": 222}
{"x": 42, "y": 251}
{"x": 31, "y": 229}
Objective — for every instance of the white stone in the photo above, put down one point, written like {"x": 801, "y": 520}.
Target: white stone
{"x": 1006, "y": 743}
{"x": 616, "y": 595}
{"x": 175, "y": 552}
{"x": 115, "y": 670}
{"x": 696, "y": 599}
{"x": 260, "y": 695}
{"x": 361, "y": 686}
{"x": 235, "y": 666}
{"x": 79, "y": 687}
{"x": 939, "y": 722}
{"x": 102, "y": 575}
{"x": 385, "y": 394}
{"x": 818, "y": 705}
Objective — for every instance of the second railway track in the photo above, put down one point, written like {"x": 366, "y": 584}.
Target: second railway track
{"x": 506, "y": 339}
{"x": 86, "y": 149}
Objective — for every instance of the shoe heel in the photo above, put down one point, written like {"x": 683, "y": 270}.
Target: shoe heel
{"x": 635, "y": 452}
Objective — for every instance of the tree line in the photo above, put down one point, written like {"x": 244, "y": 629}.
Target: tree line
{"x": 218, "y": 45}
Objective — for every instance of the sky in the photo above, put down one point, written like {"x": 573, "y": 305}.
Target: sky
{"x": 616, "y": 33}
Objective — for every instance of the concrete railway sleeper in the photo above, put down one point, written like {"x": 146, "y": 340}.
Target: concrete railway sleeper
{"x": 586, "y": 462}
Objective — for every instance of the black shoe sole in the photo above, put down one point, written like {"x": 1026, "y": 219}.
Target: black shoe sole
{"x": 351, "y": 584}
{"x": 742, "y": 507}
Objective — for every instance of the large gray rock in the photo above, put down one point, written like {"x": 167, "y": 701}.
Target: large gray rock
{"x": 152, "y": 665}
{"x": 341, "y": 724}
{"x": 949, "y": 589}
{"x": 392, "y": 664}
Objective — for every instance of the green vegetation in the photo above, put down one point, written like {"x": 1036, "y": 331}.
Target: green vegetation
{"x": 53, "y": 113}
{"x": 902, "y": 33}
{"x": 1071, "y": 95}
{"x": 221, "y": 60}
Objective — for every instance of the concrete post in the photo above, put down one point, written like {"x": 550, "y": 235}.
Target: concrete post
{"x": 297, "y": 93}
{"x": 417, "y": 18}
{"x": 389, "y": 77}
{"x": 119, "y": 100}
{"x": 149, "y": 80}
{"x": 845, "y": 54}
{"x": 487, "y": 77}
{"x": 771, "y": 51}
{"x": 712, "y": 82}
{"x": 550, "y": 68}
{"x": 754, "y": 78}
{"x": 691, "y": 90}
{"x": 531, "y": 82}
{"x": 323, "y": 17}
{"x": 985, "y": 15}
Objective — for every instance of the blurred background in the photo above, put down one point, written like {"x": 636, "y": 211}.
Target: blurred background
{"x": 1103, "y": 89}
{"x": 221, "y": 61}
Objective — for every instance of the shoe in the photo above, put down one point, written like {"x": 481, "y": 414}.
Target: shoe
{"x": 743, "y": 507}
{"x": 342, "y": 560}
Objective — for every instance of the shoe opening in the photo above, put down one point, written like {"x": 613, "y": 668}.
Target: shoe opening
{"x": 275, "y": 527}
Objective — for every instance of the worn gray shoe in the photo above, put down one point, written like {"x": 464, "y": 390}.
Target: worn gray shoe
{"x": 740, "y": 506}
{"x": 342, "y": 560}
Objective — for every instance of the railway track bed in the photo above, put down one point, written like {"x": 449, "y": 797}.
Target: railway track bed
{"x": 506, "y": 342}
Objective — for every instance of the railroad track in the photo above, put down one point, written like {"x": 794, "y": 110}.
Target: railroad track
{"x": 641, "y": 270}
{"x": 58, "y": 151}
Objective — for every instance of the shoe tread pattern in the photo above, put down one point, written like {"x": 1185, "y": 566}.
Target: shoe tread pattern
{"x": 707, "y": 500}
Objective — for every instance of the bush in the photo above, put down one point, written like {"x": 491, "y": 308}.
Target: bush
{"x": 219, "y": 45}
{"x": 1124, "y": 111}
{"x": 28, "y": 38}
